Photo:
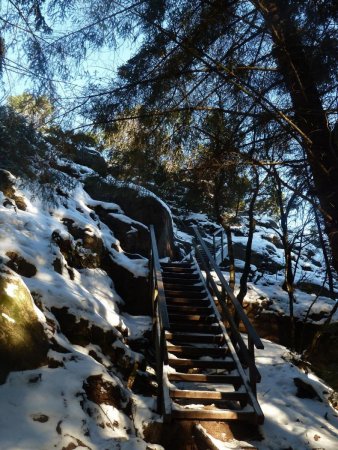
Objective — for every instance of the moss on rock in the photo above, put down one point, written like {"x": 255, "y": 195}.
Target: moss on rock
{"x": 23, "y": 343}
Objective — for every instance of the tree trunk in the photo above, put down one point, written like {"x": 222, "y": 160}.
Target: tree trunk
{"x": 232, "y": 274}
{"x": 309, "y": 113}
{"x": 288, "y": 284}
{"x": 244, "y": 278}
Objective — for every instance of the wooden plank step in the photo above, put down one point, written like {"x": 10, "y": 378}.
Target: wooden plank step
{"x": 182, "y": 280}
{"x": 183, "y": 287}
{"x": 196, "y": 309}
{"x": 185, "y": 294}
{"x": 204, "y": 318}
{"x": 197, "y": 351}
{"x": 179, "y": 412}
{"x": 177, "y": 275}
{"x": 188, "y": 301}
{"x": 208, "y": 395}
{"x": 228, "y": 363}
{"x": 196, "y": 327}
{"x": 180, "y": 270}
{"x": 235, "y": 380}
{"x": 194, "y": 337}
{"x": 177, "y": 264}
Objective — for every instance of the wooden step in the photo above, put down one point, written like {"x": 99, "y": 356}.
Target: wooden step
{"x": 210, "y": 396}
{"x": 196, "y": 309}
{"x": 197, "y": 351}
{"x": 183, "y": 287}
{"x": 178, "y": 270}
{"x": 204, "y": 302}
{"x": 177, "y": 276}
{"x": 185, "y": 294}
{"x": 183, "y": 281}
{"x": 192, "y": 317}
{"x": 194, "y": 337}
{"x": 195, "y": 327}
{"x": 179, "y": 412}
{"x": 235, "y": 380}
{"x": 177, "y": 264}
{"x": 227, "y": 364}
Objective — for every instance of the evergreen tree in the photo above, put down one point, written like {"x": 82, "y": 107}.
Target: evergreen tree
{"x": 268, "y": 65}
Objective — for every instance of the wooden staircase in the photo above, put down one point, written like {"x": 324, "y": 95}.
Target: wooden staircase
{"x": 204, "y": 368}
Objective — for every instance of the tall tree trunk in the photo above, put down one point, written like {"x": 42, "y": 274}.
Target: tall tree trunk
{"x": 231, "y": 256}
{"x": 248, "y": 250}
{"x": 287, "y": 247}
{"x": 309, "y": 113}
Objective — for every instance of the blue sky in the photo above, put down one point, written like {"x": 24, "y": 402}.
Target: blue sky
{"x": 98, "y": 67}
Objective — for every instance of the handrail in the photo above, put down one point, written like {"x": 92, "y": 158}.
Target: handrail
{"x": 158, "y": 281}
{"x": 238, "y": 307}
{"x": 162, "y": 324}
{"x": 214, "y": 235}
{"x": 246, "y": 353}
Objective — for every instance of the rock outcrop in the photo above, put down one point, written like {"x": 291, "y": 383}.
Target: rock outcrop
{"x": 7, "y": 186}
{"x": 323, "y": 354}
{"x": 23, "y": 342}
{"x": 90, "y": 158}
{"x": 140, "y": 206}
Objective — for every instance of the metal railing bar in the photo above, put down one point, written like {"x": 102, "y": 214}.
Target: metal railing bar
{"x": 162, "y": 306}
{"x": 236, "y": 334}
{"x": 238, "y": 307}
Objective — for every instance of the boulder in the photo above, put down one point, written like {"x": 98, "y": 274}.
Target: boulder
{"x": 312, "y": 288}
{"x": 102, "y": 391}
{"x": 91, "y": 158}
{"x": 140, "y": 206}
{"x": 134, "y": 291}
{"x": 81, "y": 249}
{"x": 263, "y": 262}
{"x": 133, "y": 236}
{"x": 7, "y": 186}
{"x": 20, "y": 265}
{"x": 23, "y": 343}
{"x": 7, "y": 183}
{"x": 323, "y": 354}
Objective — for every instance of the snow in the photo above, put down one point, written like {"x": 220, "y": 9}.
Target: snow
{"x": 47, "y": 407}
{"x": 144, "y": 192}
{"x": 265, "y": 287}
{"x": 290, "y": 421}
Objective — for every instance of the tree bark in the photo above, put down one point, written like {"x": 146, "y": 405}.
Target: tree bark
{"x": 248, "y": 251}
{"x": 287, "y": 247}
{"x": 309, "y": 112}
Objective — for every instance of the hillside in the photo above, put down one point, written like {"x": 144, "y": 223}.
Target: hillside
{"x": 77, "y": 359}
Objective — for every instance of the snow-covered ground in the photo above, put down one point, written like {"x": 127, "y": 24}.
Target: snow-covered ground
{"x": 265, "y": 286}
{"x": 291, "y": 422}
{"x": 47, "y": 408}
{"x": 50, "y": 407}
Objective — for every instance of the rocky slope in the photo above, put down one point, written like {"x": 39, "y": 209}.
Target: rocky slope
{"x": 76, "y": 331}
{"x": 71, "y": 274}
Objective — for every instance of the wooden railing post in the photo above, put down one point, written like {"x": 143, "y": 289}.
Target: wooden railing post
{"x": 159, "y": 368}
{"x": 222, "y": 246}
{"x": 161, "y": 324}
{"x": 151, "y": 282}
{"x": 252, "y": 371}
